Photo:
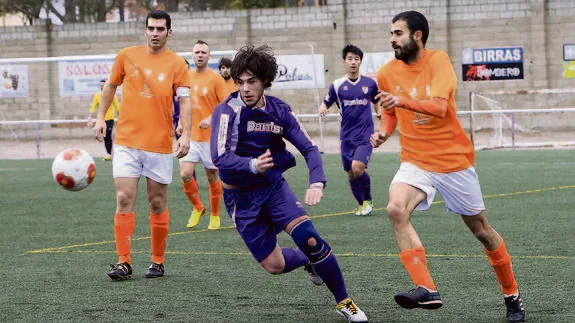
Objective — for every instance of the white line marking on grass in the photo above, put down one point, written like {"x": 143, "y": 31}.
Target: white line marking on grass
{"x": 66, "y": 248}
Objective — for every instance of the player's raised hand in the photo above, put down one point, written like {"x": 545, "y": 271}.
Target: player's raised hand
{"x": 313, "y": 195}
{"x": 380, "y": 93}
{"x": 388, "y": 101}
{"x": 183, "y": 146}
{"x": 377, "y": 139}
{"x": 100, "y": 130}
{"x": 264, "y": 162}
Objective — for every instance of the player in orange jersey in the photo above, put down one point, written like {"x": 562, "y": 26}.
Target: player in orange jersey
{"x": 418, "y": 93}
{"x": 225, "y": 68}
{"x": 150, "y": 74}
{"x": 207, "y": 90}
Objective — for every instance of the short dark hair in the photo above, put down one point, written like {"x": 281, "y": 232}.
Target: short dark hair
{"x": 259, "y": 61}
{"x": 225, "y": 62}
{"x": 349, "y": 48}
{"x": 201, "y": 42}
{"x": 415, "y": 21}
{"x": 103, "y": 81}
{"x": 160, "y": 14}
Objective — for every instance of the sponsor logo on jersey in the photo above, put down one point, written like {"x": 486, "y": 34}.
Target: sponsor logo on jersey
{"x": 264, "y": 127}
{"x": 347, "y": 103}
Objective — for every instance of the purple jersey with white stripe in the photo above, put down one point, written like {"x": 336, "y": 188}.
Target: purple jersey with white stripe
{"x": 354, "y": 101}
{"x": 241, "y": 133}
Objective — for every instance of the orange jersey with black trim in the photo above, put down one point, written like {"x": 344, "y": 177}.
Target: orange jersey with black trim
{"x": 207, "y": 90}
{"x": 230, "y": 87}
{"x": 432, "y": 143}
{"x": 149, "y": 84}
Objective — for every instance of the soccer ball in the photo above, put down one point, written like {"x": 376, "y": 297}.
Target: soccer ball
{"x": 73, "y": 169}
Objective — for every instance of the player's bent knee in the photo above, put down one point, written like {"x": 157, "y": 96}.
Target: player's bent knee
{"x": 396, "y": 212}
{"x": 186, "y": 176}
{"x": 358, "y": 170}
{"x": 308, "y": 240}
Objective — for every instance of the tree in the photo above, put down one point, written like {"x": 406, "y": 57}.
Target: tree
{"x": 250, "y": 4}
{"x": 171, "y": 5}
{"x": 29, "y": 8}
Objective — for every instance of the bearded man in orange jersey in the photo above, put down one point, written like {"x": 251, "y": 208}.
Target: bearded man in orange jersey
{"x": 151, "y": 76}
{"x": 418, "y": 93}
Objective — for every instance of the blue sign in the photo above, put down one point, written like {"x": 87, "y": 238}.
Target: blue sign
{"x": 503, "y": 55}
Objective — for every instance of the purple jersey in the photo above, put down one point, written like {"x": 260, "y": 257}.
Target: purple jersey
{"x": 354, "y": 101}
{"x": 241, "y": 133}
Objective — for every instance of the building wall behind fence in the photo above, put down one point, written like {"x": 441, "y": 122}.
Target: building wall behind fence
{"x": 541, "y": 27}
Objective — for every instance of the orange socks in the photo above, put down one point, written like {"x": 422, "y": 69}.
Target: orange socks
{"x": 215, "y": 197}
{"x": 124, "y": 224}
{"x": 414, "y": 261}
{"x": 500, "y": 260}
{"x": 159, "y": 235}
{"x": 191, "y": 191}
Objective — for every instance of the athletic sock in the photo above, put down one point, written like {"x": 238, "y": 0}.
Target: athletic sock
{"x": 365, "y": 182}
{"x": 124, "y": 224}
{"x": 416, "y": 264}
{"x": 328, "y": 269}
{"x": 191, "y": 190}
{"x": 500, "y": 260}
{"x": 294, "y": 258}
{"x": 215, "y": 198}
{"x": 357, "y": 190}
{"x": 159, "y": 224}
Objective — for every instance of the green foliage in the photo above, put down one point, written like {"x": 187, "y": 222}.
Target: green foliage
{"x": 251, "y": 4}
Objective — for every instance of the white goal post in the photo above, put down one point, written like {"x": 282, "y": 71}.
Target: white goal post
{"x": 521, "y": 118}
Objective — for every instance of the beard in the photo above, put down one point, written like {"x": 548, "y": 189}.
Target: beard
{"x": 408, "y": 52}
{"x": 226, "y": 76}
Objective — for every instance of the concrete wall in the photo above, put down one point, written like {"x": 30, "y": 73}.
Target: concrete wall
{"x": 541, "y": 27}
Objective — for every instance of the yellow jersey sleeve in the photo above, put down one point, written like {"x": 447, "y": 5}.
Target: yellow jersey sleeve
{"x": 95, "y": 102}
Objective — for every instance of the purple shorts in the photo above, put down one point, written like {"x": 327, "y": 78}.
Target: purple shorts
{"x": 260, "y": 214}
{"x": 351, "y": 151}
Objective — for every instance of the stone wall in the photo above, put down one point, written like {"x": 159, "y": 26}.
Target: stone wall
{"x": 541, "y": 27}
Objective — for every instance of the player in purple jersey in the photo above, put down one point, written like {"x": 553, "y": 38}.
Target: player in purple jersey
{"x": 247, "y": 146}
{"x": 354, "y": 95}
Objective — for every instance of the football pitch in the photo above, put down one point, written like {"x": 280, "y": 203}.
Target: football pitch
{"x": 57, "y": 247}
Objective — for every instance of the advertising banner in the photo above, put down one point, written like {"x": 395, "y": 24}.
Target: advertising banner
{"x": 492, "y": 64}
{"x": 371, "y": 63}
{"x": 82, "y": 78}
{"x": 14, "y": 81}
{"x": 297, "y": 72}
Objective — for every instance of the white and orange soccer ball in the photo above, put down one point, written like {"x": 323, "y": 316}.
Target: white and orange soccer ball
{"x": 73, "y": 169}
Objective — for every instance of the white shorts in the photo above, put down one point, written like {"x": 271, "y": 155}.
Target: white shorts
{"x": 460, "y": 190}
{"x": 199, "y": 153}
{"x": 131, "y": 162}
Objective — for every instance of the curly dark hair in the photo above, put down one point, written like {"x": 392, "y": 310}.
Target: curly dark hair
{"x": 259, "y": 61}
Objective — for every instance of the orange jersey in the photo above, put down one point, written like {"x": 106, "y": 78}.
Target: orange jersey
{"x": 207, "y": 90}
{"x": 432, "y": 143}
{"x": 149, "y": 83}
{"x": 230, "y": 87}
